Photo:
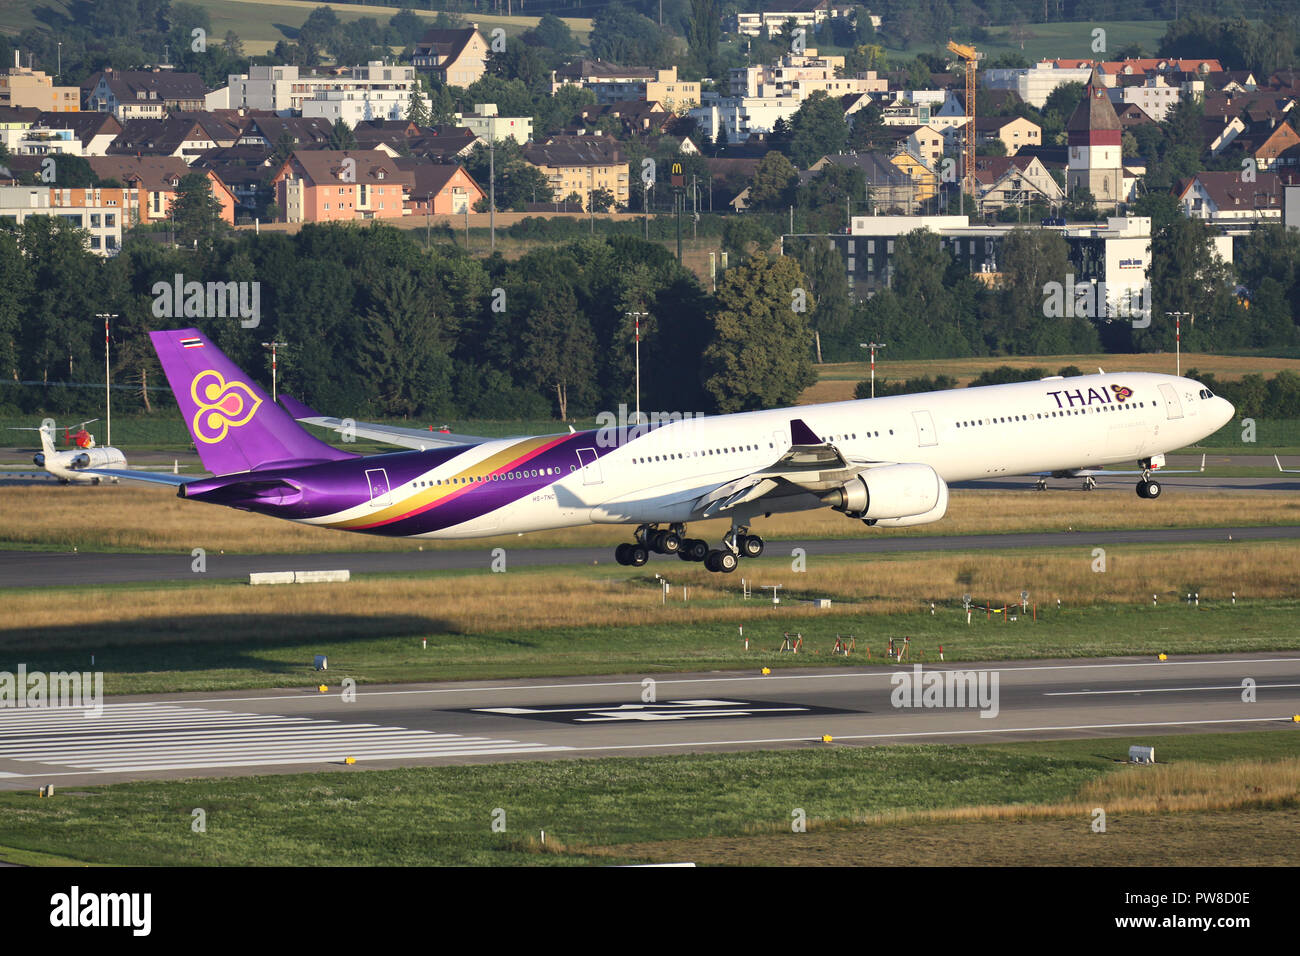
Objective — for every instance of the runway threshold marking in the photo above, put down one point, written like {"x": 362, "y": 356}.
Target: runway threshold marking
{"x": 138, "y": 737}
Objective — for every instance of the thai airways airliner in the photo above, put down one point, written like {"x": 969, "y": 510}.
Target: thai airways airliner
{"x": 885, "y": 461}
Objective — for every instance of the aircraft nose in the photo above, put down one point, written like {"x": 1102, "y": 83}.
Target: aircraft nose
{"x": 1227, "y": 412}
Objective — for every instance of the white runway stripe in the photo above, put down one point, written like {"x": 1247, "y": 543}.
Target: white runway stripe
{"x": 141, "y": 736}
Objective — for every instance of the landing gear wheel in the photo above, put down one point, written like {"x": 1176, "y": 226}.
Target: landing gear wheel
{"x": 711, "y": 561}
{"x": 621, "y": 554}
{"x": 637, "y": 555}
{"x": 694, "y": 549}
{"x": 666, "y": 542}
{"x": 751, "y": 545}
{"x": 1153, "y": 489}
{"x": 727, "y": 562}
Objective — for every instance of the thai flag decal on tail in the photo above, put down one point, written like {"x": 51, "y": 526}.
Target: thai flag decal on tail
{"x": 192, "y": 343}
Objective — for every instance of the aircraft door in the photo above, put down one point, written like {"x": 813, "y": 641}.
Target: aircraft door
{"x": 590, "y": 466}
{"x": 925, "y": 435}
{"x": 377, "y": 478}
{"x": 1173, "y": 408}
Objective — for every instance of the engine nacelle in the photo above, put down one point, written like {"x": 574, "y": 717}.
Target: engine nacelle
{"x": 891, "y": 492}
{"x": 38, "y": 460}
{"x": 934, "y": 514}
{"x": 80, "y": 461}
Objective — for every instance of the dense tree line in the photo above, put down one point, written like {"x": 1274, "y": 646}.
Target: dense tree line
{"x": 379, "y": 325}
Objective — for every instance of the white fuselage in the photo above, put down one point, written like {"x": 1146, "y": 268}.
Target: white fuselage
{"x": 963, "y": 434}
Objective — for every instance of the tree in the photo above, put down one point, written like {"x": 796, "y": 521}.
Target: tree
{"x": 416, "y": 111}
{"x": 744, "y": 235}
{"x": 702, "y": 33}
{"x": 772, "y": 186}
{"x": 559, "y": 348}
{"x": 399, "y": 350}
{"x": 760, "y": 352}
{"x": 195, "y": 213}
{"x": 817, "y": 129}
{"x": 601, "y": 200}
{"x": 341, "y": 135}
{"x": 829, "y": 284}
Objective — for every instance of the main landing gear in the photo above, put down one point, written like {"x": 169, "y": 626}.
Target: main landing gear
{"x": 1147, "y": 487}
{"x": 737, "y": 543}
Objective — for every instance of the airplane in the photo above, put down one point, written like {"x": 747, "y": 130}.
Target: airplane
{"x": 86, "y": 463}
{"x": 884, "y": 461}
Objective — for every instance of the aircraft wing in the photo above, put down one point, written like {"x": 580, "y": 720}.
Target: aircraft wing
{"x": 809, "y": 466}
{"x": 389, "y": 434}
{"x": 1103, "y": 472}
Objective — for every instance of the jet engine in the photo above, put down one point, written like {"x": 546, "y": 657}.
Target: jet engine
{"x": 890, "y": 493}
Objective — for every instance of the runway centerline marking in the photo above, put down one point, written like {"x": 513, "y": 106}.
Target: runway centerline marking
{"x": 1158, "y": 690}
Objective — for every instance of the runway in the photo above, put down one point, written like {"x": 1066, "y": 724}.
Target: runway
{"x": 296, "y": 730}
{"x": 81, "y": 569}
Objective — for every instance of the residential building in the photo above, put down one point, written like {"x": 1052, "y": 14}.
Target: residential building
{"x": 143, "y": 94}
{"x": 94, "y": 131}
{"x": 487, "y": 124}
{"x": 151, "y": 183}
{"x": 1228, "y": 199}
{"x": 812, "y": 15}
{"x": 32, "y": 89}
{"x": 325, "y": 185}
{"x": 613, "y": 83}
{"x": 456, "y": 57}
{"x": 96, "y": 210}
{"x": 377, "y": 86}
{"x": 1002, "y": 181}
{"x": 1012, "y": 132}
{"x": 581, "y": 164}
{"x": 798, "y": 75}
{"x": 438, "y": 189}
{"x": 742, "y": 116}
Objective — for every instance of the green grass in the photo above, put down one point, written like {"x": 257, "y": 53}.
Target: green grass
{"x": 443, "y": 815}
{"x": 200, "y": 653}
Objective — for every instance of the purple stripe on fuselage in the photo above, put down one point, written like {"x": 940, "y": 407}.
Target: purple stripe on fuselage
{"x": 333, "y": 487}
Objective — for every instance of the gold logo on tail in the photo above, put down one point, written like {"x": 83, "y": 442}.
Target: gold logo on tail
{"x": 222, "y": 405}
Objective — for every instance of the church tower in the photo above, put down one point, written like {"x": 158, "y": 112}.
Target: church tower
{"x": 1096, "y": 157}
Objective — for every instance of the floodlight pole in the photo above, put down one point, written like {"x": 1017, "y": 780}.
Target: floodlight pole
{"x": 1178, "y": 341}
{"x": 636, "y": 326}
{"x": 273, "y": 346}
{"x": 873, "y": 346}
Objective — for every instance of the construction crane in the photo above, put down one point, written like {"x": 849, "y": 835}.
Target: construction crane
{"x": 970, "y": 57}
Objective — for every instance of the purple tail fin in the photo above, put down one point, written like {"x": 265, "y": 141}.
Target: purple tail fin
{"x": 235, "y": 425}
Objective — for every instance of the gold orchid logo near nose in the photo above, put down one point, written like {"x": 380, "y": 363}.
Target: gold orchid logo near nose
{"x": 222, "y": 405}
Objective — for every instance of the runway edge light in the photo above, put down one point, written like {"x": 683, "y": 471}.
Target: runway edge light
{"x": 322, "y": 688}
{"x": 1163, "y": 656}
{"x": 826, "y": 738}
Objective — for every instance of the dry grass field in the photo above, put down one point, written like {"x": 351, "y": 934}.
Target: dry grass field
{"x": 1194, "y": 813}
{"x": 152, "y": 518}
{"x": 835, "y": 383}
{"x": 488, "y": 604}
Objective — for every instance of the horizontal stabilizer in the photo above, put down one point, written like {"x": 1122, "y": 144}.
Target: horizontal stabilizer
{"x": 349, "y": 428}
